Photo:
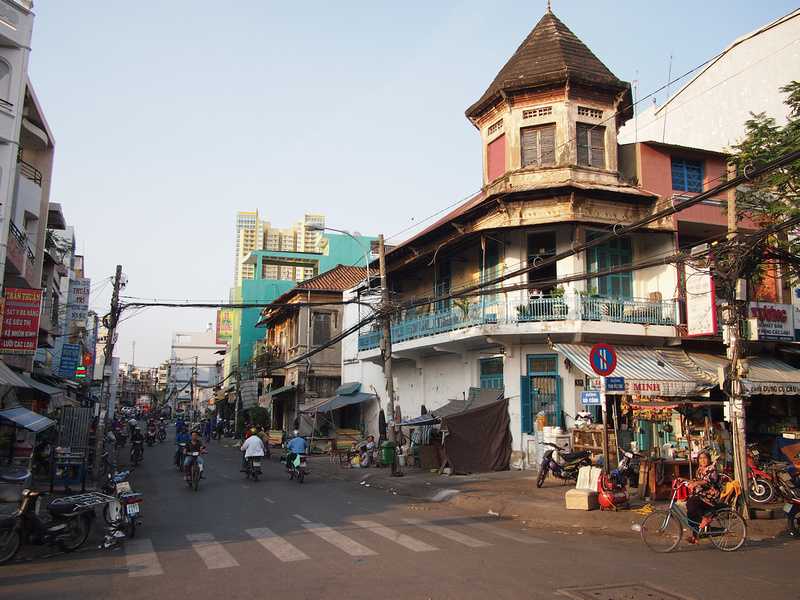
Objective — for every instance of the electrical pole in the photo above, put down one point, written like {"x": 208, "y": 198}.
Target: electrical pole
{"x": 193, "y": 388}
{"x": 107, "y": 405}
{"x": 387, "y": 344}
{"x": 733, "y": 324}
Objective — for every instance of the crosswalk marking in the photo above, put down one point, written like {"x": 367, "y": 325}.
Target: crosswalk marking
{"x": 511, "y": 535}
{"x": 390, "y": 534}
{"x": 282, "y": 549}
{"x": 211, "y": 551}
{"x": 341, "y": 541}
{"x": 301, "y": 518}
{"x": 450, "y": 534}
{"x": 141, "y": 559}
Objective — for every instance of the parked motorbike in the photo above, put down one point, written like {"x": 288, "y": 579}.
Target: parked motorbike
{"x": 612, "y": 489}
{"x": 67, "y": 525}
{"x": 786, "y": 490}
{"x": 562, "y": 465}
{"x": 137, "y": 452}
{"x": 760, "y": 483}
{"x": 252, "y": 468}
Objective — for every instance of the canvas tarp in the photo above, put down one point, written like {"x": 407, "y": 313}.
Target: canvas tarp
{"x": 478, "y": 440}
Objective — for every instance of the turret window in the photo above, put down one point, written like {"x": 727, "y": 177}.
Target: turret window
{"x": 538, "y": 145}
{"x": 591, "y": 145}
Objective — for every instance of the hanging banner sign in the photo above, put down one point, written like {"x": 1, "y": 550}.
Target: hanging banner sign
{"x": 78, "y": 299}
{"x": 249, "y": 391}
{"x": 701, "y": 303}
{"x": 70, "y": 359}
{"x": 225, "y": 318}
{"x": 20, "y": 331}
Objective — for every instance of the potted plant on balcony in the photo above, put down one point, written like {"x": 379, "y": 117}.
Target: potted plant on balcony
{"x": 559, "y": 306}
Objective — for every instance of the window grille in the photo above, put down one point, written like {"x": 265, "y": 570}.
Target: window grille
{"x": 594, "y": 113}
{"x": 495, "y": 127}
{"x": 541, "y": 111}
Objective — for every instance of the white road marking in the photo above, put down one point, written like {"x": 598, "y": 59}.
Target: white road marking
{"x": 270, "y": 500}
{"x": 282, "y": 549}
{"x": 211, "y": 551}
{"x": 141, "y": 559}
{"x": 341, "y": 541}
{"x": 404, "y": 540}
{"x": 450, "y": 534}
{"x": 444, "y": 495}
{"x": 301, "y": 518}
{"x": 511, "y": 535}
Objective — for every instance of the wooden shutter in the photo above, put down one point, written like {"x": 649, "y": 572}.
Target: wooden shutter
{"x": 582, "y": 133}
{"x": 547, "y": 145}
{"x": 598, "y": 149}
{"x": 538, "y": 145}
{"x": 530, "y": 146}
{"x": 525, "y": 404}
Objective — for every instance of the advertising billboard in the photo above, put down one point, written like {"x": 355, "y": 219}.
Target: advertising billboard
{"x": 225, "y": 319}
{"x": 20, "y": 330}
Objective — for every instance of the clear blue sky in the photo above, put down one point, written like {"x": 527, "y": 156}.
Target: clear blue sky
{"x": 171, "y": 116}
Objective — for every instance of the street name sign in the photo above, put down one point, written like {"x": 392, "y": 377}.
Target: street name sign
{"x": 590, "y": 398}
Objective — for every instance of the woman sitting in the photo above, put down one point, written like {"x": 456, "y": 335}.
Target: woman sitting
{"x": 704, "y": 493}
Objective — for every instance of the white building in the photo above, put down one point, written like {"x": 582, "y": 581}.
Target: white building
{"x": 710, "y": 110}
{"x": 193, "y": 351}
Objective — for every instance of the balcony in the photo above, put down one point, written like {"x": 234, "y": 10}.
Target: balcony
{"x": 490, "y": 311}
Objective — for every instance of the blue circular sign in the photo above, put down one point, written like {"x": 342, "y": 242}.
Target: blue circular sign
{"x": 603, "y": 359}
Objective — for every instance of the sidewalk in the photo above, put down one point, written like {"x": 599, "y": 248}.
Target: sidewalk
{"x": 510, "y": 494}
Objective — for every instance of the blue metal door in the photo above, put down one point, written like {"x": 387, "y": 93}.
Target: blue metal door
{"x": 545, "y": 388}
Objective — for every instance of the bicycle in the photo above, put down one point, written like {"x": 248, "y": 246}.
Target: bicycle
{"x": 662, "y": 530}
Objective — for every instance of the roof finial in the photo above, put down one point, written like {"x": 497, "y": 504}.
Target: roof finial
{"x": 549, "y": 8}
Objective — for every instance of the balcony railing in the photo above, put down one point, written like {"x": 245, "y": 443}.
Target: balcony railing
{"x": 30, "y": 172}
{"x": 586, "y": 308}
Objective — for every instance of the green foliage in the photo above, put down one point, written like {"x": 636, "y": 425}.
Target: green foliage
{"x": 776, "y": 195}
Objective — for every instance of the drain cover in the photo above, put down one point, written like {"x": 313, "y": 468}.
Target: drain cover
{"x": 621, "y": 591}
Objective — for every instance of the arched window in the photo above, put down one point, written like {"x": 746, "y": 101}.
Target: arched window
{"x": 5, "y": 82}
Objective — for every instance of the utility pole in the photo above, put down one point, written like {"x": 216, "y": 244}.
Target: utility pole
{"x": 387, "y": 344}
{"x": 733, "y": 324}
{"x": 238, "y": 397}
{"x": 133, "y": 354}
{"x": 193, "y": 382}
{"x": 107, "y": 405}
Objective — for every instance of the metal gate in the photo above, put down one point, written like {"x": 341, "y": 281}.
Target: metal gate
{"x": 545, "y": 388}
{"x": 74, "y": 427}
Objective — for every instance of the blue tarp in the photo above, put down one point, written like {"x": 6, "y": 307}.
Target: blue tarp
{"x": 27, "y": 419}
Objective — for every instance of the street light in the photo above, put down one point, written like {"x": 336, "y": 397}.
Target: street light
{"x": 355, "y": 239}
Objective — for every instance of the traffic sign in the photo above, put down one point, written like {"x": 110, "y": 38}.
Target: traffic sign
{"x": 590, "y": 397}
{"x": 615, "y": 384}
{"x": 603, "y": 359}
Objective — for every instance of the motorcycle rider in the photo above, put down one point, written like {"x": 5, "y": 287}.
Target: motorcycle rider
{"x": 182, "y": 437}
{"x": 252, "y": 446}
{"x": 137, "y": 436}
{"x": 296, "y": 446}
{"x": 195, "y": 444}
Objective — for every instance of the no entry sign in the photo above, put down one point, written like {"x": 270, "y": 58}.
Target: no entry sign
{"x": 603, "y": 359}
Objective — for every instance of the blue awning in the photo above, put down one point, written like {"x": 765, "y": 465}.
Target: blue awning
{"x": 27, "y": 419}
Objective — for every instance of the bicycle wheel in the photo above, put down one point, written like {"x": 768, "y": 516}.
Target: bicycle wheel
{"x": 661, "y": 531}
{"x": 727, "y": 530}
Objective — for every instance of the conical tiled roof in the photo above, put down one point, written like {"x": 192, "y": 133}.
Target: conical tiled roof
{"x": 550, "y": 54}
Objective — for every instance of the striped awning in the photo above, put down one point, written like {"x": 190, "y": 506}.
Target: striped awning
{"x": 766, "y": 375}
{"x": 647, "y": 371}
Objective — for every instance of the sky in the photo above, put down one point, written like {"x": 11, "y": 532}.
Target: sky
{"x": 171, "y": 116}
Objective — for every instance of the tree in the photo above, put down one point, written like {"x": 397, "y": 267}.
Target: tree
{"x": 774, "y": 197}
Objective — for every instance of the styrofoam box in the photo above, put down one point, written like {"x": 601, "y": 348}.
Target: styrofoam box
{"x": 581, "y": 500}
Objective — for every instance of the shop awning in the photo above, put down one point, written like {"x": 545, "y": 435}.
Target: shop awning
{"x": 647, "y": 371}
{"x": 765, "y": 375}
{"x": 340, "y": 401}
{"x": 9, "y": 377}
{"x": 45, "y": 389}
{"x": 27, "y": 419}
{"x": 280, "y": 390}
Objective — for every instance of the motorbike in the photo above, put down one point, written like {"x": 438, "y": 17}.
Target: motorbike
{"x": 150, "y": 436}
{"x": 760, "y": 483}
{"x": 179, "y": 452}
{"x": 67, "y": 525}
{"x": 123, "y": 514}
{"x": 193, "y": 471}
{"x": 121, "y": 437}
{"x": 137, "y": 452}
{"x": 252, "y": 467}
{"x": 612, "y": 489}
{"x": 296, "y": 468}
{"x": 786, "y": 490}
{"x": 162, "y": 432}
{"x": 562, "y": 465}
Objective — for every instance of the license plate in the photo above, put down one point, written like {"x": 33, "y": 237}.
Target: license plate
{"x": 123, "y": 487}
{"x": 133, "y": 509}
{"x": 302, "y": 463}
{"x": 257, "y": 463}
{"x": 787, "y": 508}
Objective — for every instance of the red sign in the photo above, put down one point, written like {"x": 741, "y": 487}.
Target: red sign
{"x": 20, "y": 332}
{"x": 603, "y": 359}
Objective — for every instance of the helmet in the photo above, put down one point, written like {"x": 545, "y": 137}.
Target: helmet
{"x": 296, "y": 433}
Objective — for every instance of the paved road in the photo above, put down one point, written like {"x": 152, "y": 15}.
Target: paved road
{"x": 235, "y": 539}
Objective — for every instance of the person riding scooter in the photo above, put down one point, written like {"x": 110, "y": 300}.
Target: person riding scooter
{"x": 195, "y": 445}
{"x": 252, "y": 447}
{"x": 296, "y": 446}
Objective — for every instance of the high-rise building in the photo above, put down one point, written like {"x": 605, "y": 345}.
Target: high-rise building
{"x": 249, "y": 237}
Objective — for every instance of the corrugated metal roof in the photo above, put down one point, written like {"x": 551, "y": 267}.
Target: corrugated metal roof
{"x": 9, "y": 377}
{"x": 765, "y": 375}
{"x": 647, "y": 372}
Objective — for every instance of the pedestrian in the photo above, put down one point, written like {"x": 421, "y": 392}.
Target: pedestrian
{"x": 207, "y": 430}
